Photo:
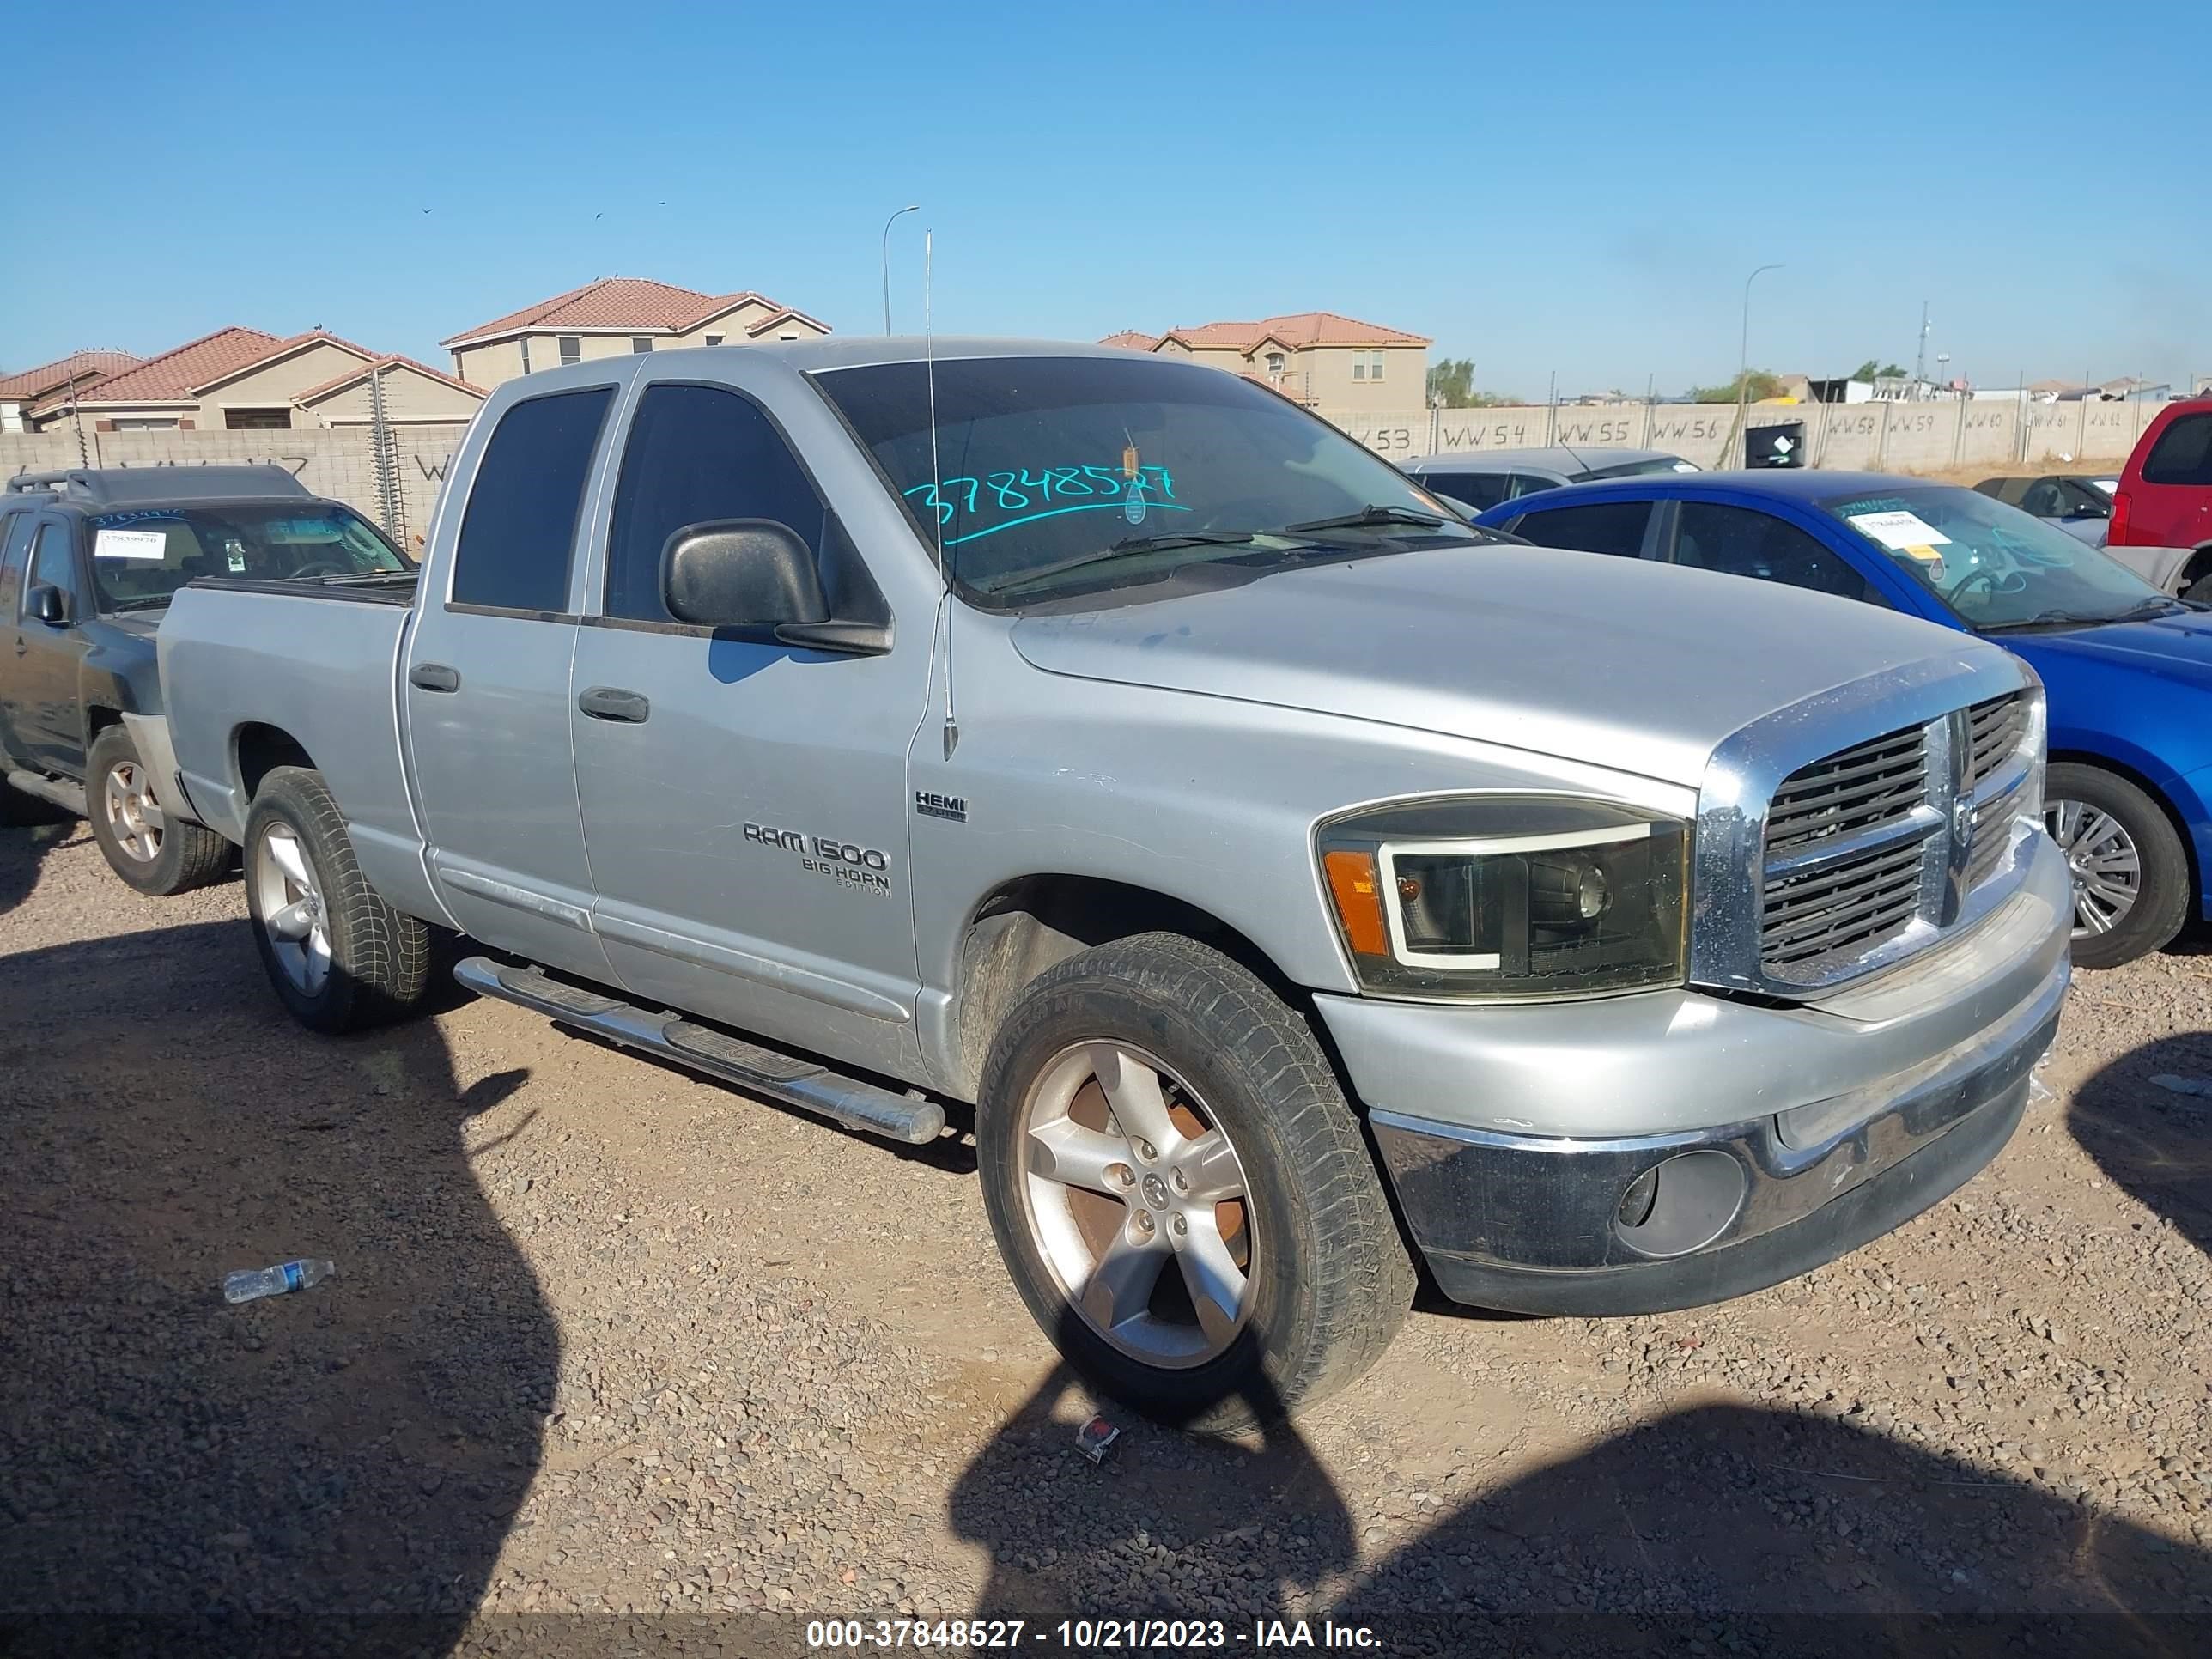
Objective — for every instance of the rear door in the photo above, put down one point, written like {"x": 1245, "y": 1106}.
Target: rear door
{"x": 47, "y": 716}
{"x": 2172, "y": 505}
{"x": 486, "y": 688}
{"x": 745, "y": 801}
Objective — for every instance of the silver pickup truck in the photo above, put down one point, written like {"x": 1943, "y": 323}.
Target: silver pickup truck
{"x": 1297, "y": 883}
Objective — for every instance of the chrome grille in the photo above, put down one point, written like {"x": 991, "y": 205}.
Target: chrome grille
{"x": 1840, "y": 907}
{"x": 1995, "y": 729}
{"x": 1850, "y": 792}
{"x": 1992, "y": 834}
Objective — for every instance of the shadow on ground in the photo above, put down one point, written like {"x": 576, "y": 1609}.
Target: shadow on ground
{"x": 23, "y": 849}
{"x": 2151, "y": 1139}
{"x": 359, "y": 1448}
{"x": 1733, "y": 1529}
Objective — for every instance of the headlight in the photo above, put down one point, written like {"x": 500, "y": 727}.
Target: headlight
{"x": 1508, "y": 896}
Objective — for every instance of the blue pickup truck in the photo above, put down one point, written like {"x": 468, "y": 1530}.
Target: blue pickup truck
{"x": 2128, "y": 669}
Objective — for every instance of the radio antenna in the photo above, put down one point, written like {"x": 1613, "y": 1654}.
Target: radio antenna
{"x": 937, "y": 477}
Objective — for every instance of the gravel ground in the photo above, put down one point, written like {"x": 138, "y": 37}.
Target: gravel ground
{"x": 604, "y": 1340}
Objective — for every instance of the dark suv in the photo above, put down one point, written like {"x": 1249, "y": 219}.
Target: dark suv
{"x": 88, "y": 562}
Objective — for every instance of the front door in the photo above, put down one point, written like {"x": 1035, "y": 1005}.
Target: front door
{"x": 50, "y": 716}
{"x": 16, "y": 530}
{"x": 745, "y": 801}
{"x": 486, "y": 688}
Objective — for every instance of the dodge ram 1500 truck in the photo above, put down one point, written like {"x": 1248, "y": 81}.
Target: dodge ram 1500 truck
{"x": 1296, "y": 882}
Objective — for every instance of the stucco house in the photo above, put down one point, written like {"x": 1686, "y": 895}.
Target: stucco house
{"x": 1317, "y": 358}
{"x": 618, "y": 314}
{"x": 80, "y": 371}
{"x": 242, "y": 379}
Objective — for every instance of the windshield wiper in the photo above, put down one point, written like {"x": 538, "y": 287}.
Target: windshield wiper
{"x": 144, "y": 602}
{"x": 1372, "y": 514}
{"x": 1128, "y": 547}
{"x": 2075, "y": 619}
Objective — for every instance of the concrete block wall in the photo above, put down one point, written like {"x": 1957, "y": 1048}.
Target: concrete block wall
{"x": 337, "y": 462}
{"x": 1925, "y": 437}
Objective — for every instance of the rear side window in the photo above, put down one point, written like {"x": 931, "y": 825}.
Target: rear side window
{"x": 1738, "y": 542}
{"x": 696, "y": 454}
{"x": 1615, "y": 527}
{"x": 1531, "y": 483}
{"x": 518, "y": 535}
{"x": 2182, "y": 454}
{"x": 14, "y": 558}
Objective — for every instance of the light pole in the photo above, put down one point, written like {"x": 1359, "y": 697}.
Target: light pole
{"x": 914, "y": 207}
{"x": 1743, "y": 354}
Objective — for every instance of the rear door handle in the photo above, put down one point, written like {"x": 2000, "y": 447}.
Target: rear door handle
{"x": 434, "y": 677}
{"x": 605, "y": 702}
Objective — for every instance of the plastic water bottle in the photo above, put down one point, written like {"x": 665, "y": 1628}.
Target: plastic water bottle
{"x": 250, "y": 1282}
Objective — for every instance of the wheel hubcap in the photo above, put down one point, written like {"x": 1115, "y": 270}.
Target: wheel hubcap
{"x": 2107, "y": 865}
{"x": 133, "y": 813}
{"x": 290, "y": 903}
{"x": 1124, "y": 1174}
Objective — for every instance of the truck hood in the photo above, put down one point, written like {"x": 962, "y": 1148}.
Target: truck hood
{"x": 1613, "y": 662}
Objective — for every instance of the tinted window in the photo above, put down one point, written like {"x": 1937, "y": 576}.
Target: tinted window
{"x": 1480, "y": 490}
{"x": 1738, "y": 542}
{"x": 2182, "y": 454}
{"x": 696, "y": 454}
{"x": 1602, "y": 528}
{"x": 1530, "y": 483}
{"x": 15, "y": 557}
{"x": 51, "y": 561}
{"x": 519, "y": 535}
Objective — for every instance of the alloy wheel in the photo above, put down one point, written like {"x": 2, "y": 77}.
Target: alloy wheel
{"x": 1137, "y": 1202}
{"x": 132, "y": 812}
{"x": 290, "y": 901}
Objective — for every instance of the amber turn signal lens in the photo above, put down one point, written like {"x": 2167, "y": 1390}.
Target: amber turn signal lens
{"x": 1358, "y": 894}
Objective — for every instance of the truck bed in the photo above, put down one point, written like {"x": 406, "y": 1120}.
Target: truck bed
{"x": 257, "y": 668}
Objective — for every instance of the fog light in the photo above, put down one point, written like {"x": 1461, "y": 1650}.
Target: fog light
{"x": 1683, "y": 1204}
{"x": 1636, "y": 1203}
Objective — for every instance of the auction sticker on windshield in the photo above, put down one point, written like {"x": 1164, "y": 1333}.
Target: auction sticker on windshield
{"x": 129, "y": 544}
{"x": 1904, "y": 533}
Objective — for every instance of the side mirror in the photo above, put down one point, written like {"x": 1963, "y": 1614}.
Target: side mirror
{"x": 741, "y": 572}
{"x": 49, "y": 606}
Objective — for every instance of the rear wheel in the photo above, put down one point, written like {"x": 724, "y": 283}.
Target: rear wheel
{"x": 148, "y": 849}
{"x": 2132, "y": 886}
{"x": 1181, "y": 1190}
{"x": 338, "y": 956}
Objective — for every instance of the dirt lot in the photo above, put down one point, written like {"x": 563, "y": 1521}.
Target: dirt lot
{"x": 605, "y": 1338}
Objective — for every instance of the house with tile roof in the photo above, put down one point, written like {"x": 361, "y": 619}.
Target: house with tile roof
{"x": 79, "y": 372}
{"x": 619, "y": 314}
{"x": 1318, "y": 358}
{"x": 243, "y": 380}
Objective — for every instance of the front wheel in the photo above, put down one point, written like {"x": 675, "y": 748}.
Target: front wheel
{"x": 1181, "y": 1190}
{"x": 149, "y": 850}
{"x": 339, "y": 956}
{"x": 2131, "y": 887}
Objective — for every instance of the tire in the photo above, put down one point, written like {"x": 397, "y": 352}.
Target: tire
{"x": 149, "y": 852}
{"x": 2105, "y": 825}
{"x": 1324, "y": 1280}
{"x": 340, "y": 957}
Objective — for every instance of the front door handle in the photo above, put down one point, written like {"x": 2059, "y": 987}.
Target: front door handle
{"x": 434, "y": 677}
{"x": 605, "y": 702}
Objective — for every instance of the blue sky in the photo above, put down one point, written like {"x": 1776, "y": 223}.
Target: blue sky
{"x": 1571, "y": 188}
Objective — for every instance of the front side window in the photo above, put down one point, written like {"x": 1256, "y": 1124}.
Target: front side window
{"x": 1480, "y": 490}
{"x": 15, "y": 559}
{"x": 1615, "y": 527}
{"x": 141, "y": 556}
{"x": 1994, "y": 566}
{"x": 697, "y": 454}
{"x": 2182, "y": 454}
{"x": 52, "y": 564}
{"x": 1055, "y": 475}
{"x": 571, "y": 347}
{"x": 1529, "y": 483}
{"x": 1739, "y": 542}
{"x": 518, "y": 535}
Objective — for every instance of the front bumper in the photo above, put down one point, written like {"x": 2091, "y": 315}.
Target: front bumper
{"x": 1813, "y": 1130}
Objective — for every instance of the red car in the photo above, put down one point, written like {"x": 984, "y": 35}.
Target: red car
{"x": 2165, "y": 497}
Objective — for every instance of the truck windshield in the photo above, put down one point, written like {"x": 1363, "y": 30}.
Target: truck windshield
{"x": 1058, "y": 474}
{"x": 142, "y": 556}
{"x": 1995, "y": 567}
